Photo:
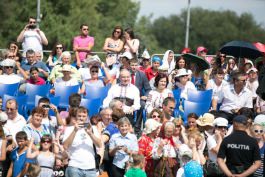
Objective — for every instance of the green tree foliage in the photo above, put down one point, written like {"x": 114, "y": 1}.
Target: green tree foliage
{"x": 211, "y": 29}
{"x": 61, "y": 20}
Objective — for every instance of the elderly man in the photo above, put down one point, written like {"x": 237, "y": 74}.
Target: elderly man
{"x": 126, "y": 92}
{"x": 15, "y": 121}
{"x": 234, "y": 97}
{"x": 240, "y": 151}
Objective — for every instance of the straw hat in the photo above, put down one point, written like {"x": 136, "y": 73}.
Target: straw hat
{"x": 206, "y": 119}
{"x": 151, "y": 125}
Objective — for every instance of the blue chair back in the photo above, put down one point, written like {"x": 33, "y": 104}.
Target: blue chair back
{"x": 33, "y": 90}
{"x": 93, "y": 105}
{"x": 64, "y": 92}
{"x": 96, "y": 92}
{"x": 8, "y": 89}
{"x": 200, "y": 96}
{"x": 53, "y": 100}
{"x": 21, "y": 100}
{"x": 194, "y": 107}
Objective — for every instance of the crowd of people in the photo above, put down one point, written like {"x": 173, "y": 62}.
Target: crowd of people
{"x": 137, "y": 132}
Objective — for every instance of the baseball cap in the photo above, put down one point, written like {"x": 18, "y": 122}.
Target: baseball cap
{"x": 241, "y": 119}
{"x": 220, "y": 122}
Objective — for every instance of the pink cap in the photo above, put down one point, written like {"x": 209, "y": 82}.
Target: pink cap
{"x": 200, "y": 49}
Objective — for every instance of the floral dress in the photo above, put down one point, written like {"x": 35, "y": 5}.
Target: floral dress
{"x": 145, "y": 147}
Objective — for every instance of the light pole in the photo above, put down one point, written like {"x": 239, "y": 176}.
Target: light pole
{"x": 187, "y": 26}
{"x": 38, "y": 13}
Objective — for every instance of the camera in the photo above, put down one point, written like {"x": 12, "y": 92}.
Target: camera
{"x": 32, "y": 26}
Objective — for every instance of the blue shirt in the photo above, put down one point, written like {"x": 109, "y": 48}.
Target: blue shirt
{"x": 111, "y": 129}
{"x": 121, "y": 157}
{"x": 19, "y": 161}
{"x": 38, "y": 64}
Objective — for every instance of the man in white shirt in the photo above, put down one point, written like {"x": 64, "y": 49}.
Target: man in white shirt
{"x": 15, "y": 121}
{"x": 79, "y": 140}
{"x": 234, "y": 97}
{"x": 32, "y": 37}
{"x": 127, "y": 93}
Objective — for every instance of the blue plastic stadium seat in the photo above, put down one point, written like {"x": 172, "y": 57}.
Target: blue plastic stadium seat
{"x": 96, "y": 92}
{"x": 93, "y": 105}
{"x": 9, "y": 89}
{"x": 200, "y": 96}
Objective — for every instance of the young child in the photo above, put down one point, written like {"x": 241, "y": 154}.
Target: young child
{"x": 137, "y": 167}
{"x": 19, "y": 162}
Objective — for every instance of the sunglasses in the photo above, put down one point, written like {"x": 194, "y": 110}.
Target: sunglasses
{"x": 94, "y": 71}
{"x": 85, "y": 29}
{"x": 8, "y": 67}
{"x": 241, "y": 80}
{"x": 32, "y": 22}
{"x": 222, "y": 127}
{"x": 46, "y": 106}
{"x": 117, "y": 32}
{"x": 258, "y": 131}
{"x": 222, "y": 56}
{"x": 155, "y": 116}
{"x": 59, "y": 47}
{"x": 46, "y": 141}
{"x": 178, "y": 126}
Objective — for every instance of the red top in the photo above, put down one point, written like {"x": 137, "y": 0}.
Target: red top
{"x": 39, "y": 81}
{"x": 150, "y": 73}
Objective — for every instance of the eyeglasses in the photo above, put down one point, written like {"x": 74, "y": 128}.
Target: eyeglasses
{"x": 8, "y": 67}
{"x": 59, "y": 47}
{"x": 117, "y": 32}
{"x": 94, "y": 71}
{"x": 32, "y": 22}
{"x": 258, "y": 131}
{"x": 11, "y": 56}
{"x": 155, "y": 116}
{"x": 11, "y": 109}
{"x": 85, "y": 29}
{"x": 222, "y": 56}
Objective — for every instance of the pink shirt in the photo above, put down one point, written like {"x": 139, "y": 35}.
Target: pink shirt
{"x": 39, "y": 81}
{"x": 81, "y": 41}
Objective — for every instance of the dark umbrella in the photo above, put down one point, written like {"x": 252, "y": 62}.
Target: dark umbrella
{"x": 200, "y": 62}
{"x": 241, "y": 49}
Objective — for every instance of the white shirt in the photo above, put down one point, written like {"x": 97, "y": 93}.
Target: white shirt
{"x": 217, "y": 89}
{"x": 130, "y": 91}
{"x": 155, "y": 99}
{"x": 231, "y": 100}
{"x": 16, "y": 125}
{"x": 211, "y": 143}
{"x": 184, "y": 89}
{"x": 10, "y": 79}
{"x": 252, "y": 86}
{"x": 81, "y": 150}
{"x": 32, "y": 40}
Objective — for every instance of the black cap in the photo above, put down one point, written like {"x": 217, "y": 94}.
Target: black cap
{"x": 241, "y": 119}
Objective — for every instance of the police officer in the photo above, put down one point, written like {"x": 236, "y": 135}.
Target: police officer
{"x": 240, "y": 151}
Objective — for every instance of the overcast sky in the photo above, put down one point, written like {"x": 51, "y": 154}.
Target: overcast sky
{"x": 167, "y": 7}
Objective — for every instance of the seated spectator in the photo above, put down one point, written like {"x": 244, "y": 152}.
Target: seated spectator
{"x": 169, "y": 61}
{"x": 66, "y": 79}
{"x": 180, "y": 131}
{"x": 182, "y": 82}
{"x": 234, "y": 97}
{"x": 252, "y": 82}
{"x": 192, "y": 124}
{"x": 74, "y": 102}
{"x": 56, "y": 71}
{"x": 156, "y": 114}
{"x": 153, "y": 70}
{"x": 157, "y": 96}
{"x": 55, "y": 56}
{"x": 8, "y": 76}
{"x": 145, "y": 63}
{"x": 32, "y": 61}
{"x": 34, "y": 77}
